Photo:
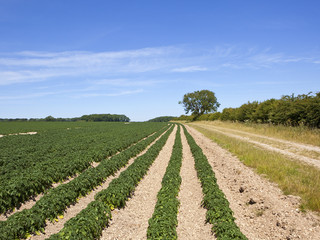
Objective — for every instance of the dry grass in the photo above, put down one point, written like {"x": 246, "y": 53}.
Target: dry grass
{"x": 260, "y": 138}
{"x": 294, "y": 178}
{"x": 296, "y": 134}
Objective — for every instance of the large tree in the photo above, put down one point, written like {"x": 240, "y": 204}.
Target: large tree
{"x": 200, "y": 102}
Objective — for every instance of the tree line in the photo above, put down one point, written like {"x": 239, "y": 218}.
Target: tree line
{"x": 161, "y": 119}
{"x": 87, "y": 118}
{"x": 289, "y": 110}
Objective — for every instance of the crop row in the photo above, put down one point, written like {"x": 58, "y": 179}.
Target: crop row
{"x": 56, "y": 200}
{"x": 163, "y": 223}
{"x": 218, "y": 213}
{"x": 31, "y": 164}
{"x": 89, "y": 223}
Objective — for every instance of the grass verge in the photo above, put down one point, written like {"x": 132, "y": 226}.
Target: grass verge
{"x": 292, "y": 177}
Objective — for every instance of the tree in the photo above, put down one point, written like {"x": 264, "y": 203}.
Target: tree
{"x": 200, "y": 102}
{"x": 50, "y": 119}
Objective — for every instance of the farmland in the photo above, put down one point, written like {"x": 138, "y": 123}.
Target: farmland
{"x": 85, "y": 180}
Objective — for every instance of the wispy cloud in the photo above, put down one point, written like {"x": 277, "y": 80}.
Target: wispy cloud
{"x": 26, "y": 96}
{"x": 190, "y": 69}
{"x": 121, "y": 67}
{"x": 41, "y": 66}
{"x": 78, "y": 58}
{"x": 114, "y": 94}
{"x": 125, "y": 82}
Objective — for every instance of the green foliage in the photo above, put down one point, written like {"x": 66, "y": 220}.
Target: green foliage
{"x": 300, "y": 110}
{"x": 56, "y": 200}
{"x": 115, "y": 195}
{"x": 88, "y": 118}
{"x": 210, "y": 116}
{"x": 219, "y": 213}
{"x": 88, "y": 224}
{"x": 121, "y": 188}
{"x": 49, "y": 119}
{"x": 105, "y": 118}
{"x": 184, "y": 118}
{"x": 200, "y": 102}
{"x": 163, "y": 223}
{"x": 161, "y": 119}
{"x": 52, "y": 156}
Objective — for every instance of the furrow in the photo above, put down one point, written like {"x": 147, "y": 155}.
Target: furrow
{"x": 56, "y": 200}
{"x": 140, "y": 207}
{"x": 89, "y": 223}
{"x": 191, "y": 217}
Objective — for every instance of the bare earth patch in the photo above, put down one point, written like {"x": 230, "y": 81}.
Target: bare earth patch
{"x": 15, "y": 134}
{"x": 191, "y": 216}
{"x": 262, "y": 211}
{"x": 132, "y": 221}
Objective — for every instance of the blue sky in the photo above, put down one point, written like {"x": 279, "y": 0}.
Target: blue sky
{"x": 138, "y": 58}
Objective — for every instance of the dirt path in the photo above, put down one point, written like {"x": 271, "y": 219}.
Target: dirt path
{"x": 132, "y": 221}
{"x": 262, "y": 211}
{"x": 83, "y": 202}
{"x": 308, "y": 160}
{"x": 191, "y": 216}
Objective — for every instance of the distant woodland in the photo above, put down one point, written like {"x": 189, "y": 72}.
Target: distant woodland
{"x": 87, "y": 118}
{"x": 162, "y": 119}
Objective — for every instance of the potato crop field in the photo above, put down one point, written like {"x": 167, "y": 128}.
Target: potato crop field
{"x": 107, "y": 180}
